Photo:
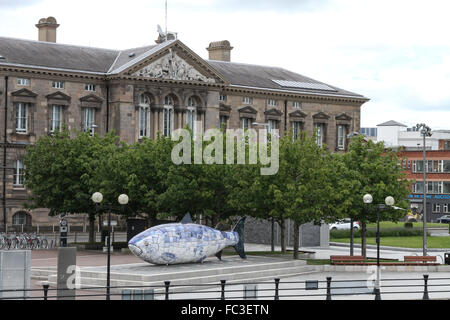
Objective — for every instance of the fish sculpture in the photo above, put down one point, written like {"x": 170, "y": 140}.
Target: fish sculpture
{"x": 185, "y": 242}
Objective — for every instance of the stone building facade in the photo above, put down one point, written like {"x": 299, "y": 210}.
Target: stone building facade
{"x": 142, "y": 91}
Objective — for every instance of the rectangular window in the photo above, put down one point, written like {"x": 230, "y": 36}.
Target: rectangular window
{"x": 21, "y": 117}
{"x": 272, "y": 103}
{"x": 18, "y": 173}
{"x": 418, "y": 166}
{"x": 89, "y": 120}
{"x": 190, "y": 119}
{"x": 89, "y": 87}
{"x": 58, "y": 84}
{"x": 296, "y": 128}
{"x": 144, "y": 122}
{"x": 167, "y": 122}
{"x": 446, "y": 166}
{"x": 319, "y": 134}
{"x": 446, "y": 187}
{"x": 297, "y": 105}
{"x": 341, "y": 137}
{"x": 23, "y": 81}
{"x": 223, "y": 122}
{"x": 272, "y": 126}
{"x": 246, "y": 123}
{"x": 247, "y": 100}
{"x": 445, "y": 207}
{"x": 55, "y": 117}
{"x": 437, "y": 207}
{"x": 222, "y": 98}
{"x": 418, "y": 187}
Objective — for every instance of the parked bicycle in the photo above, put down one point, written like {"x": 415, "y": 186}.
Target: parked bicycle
{"x": 22, "y": 241}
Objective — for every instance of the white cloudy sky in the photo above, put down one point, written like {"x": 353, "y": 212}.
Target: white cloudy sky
{"x": 395, "y": 52}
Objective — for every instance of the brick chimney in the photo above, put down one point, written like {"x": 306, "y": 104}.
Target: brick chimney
{"x": 47, "y": 29}
{"x": 220, "y": 50}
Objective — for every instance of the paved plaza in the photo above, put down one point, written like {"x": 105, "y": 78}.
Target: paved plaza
{"x": 395, "y": 285}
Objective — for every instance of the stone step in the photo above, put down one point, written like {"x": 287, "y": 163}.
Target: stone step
{"x": 190, "y": 284}
{"x": 203, "y": 272}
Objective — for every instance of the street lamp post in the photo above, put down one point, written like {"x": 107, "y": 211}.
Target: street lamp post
{"x": 97, "y": 197}
{"x": 389, "y": 202}
{"x": 426, "y": 132}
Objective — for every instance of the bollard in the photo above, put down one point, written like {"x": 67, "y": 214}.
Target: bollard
{"x": 222, "y": 284}
{"x": 425, "y": 291}
{"x": 328, "y": 288}
{"x": 45, "y": 286}
{"x": 167, "y": 284}
{"x": 277, "y": 283}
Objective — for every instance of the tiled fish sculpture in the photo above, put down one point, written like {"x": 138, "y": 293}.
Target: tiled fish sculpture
{"x": 185, "y": 242}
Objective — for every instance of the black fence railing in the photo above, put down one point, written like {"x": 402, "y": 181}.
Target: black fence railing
{"x": 425, "y": 288}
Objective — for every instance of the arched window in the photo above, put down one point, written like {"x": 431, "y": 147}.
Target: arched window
{"x": 21, "y": 218}
{"x": 169, "y": 103}
{"x": 144, "y": 116}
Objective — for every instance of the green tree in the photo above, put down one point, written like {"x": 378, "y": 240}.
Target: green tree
{"x": 371, "y": 168}
{"x": 61, "y": 172}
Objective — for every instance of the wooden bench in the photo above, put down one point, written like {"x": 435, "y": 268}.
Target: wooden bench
{"x": 420, "y": 260}
{"x": 355, "y": 260}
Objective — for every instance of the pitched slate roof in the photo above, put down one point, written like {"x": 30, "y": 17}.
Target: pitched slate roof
{"x": 46, "y": 55}
{"x": 257, "y": 76}
{"x": 55, "y": 56}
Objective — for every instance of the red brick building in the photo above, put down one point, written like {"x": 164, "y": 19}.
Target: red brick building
{"x": 437, "y": 181}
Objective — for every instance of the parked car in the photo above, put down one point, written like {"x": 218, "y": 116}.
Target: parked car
{"x": 344, "y": 224}
{"x": 444, "y": 219}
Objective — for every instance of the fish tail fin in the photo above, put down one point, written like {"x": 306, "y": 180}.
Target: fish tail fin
{"x": 219, "y": 255}
{"x": 239, "y": 229}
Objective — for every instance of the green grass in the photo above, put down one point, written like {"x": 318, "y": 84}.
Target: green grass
{"x": 406, "y": 242}
{"x": 390, "y": 224}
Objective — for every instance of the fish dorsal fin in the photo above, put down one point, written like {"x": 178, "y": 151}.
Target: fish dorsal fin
{"x": 187, "y": 219}
{"x": 220, "y": 226}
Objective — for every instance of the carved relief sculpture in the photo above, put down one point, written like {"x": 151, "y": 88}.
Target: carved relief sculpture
{"x": 171, "y": 66}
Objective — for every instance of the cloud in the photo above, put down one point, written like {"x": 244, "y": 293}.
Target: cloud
{"x": 9, "y": 4}
{"x": 250, "y": 5}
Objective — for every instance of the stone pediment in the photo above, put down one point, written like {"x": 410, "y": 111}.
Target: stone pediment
{"x": 172, "y": 66}
{"x": 24, "y": 93}
{"x": 91, "y": 98}
{"x": 273, "y": 112}
{"x": 344, "y": 117}
{"x": 297, "y": 114}
{"x": 225, "y": 107}
{"x": 247, "y": 109}
{"x": 58, "y": 95}
{"x": 321, "y": 115}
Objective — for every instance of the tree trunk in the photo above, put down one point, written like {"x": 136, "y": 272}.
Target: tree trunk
{"x": 296, "y": 238}
{"x": 282, "y": 234}
{"x": 91, "y": 228}
{"x": 363, "y": 239}
{"x": 151, "y": 220}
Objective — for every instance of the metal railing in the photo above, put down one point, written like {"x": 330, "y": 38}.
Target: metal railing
{"x": 425, "y": 288}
